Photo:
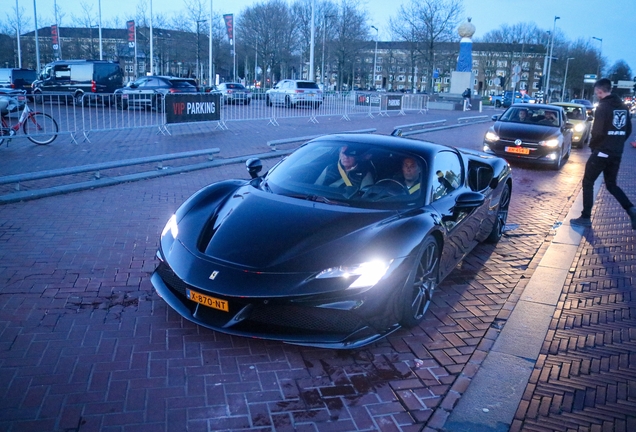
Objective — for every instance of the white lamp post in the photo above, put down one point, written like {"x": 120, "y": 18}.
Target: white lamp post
{"x": 37, "y": 43}
{"x": 565, "y": 77}
{"x": 600, "y": 57}
{"x": 375, "y": 56}
{"x": 101, "y": 55}
{"x": 547, "y": 83}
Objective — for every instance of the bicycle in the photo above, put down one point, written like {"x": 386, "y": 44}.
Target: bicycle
{"x": 39, "y": 127}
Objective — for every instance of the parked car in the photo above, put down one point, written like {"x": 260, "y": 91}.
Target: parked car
{"x": 17, "y": 79}
{"x": 292, "y": 93}
{"x": 496, "y": 100}
{"x": 519, "y": 98}
{"x": 73, "y": 79}
{"x": 536, "y": 133}
{"x": 577, "y": 115}
{"x": 235, "y": 93}
{"x": 149, "y": 91}
{"x": 281, "y": 257}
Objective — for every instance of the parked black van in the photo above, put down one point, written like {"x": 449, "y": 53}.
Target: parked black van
{"x": 18, "y": 79}
{"x": 76, "y": 78}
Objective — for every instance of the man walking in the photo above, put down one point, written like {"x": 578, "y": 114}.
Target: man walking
{"x": 612, "y": 126}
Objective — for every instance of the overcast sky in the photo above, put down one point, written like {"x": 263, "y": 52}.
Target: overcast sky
{"x": 613, "y": 21}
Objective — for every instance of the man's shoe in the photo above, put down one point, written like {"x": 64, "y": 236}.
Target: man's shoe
{"x": 582, "y": 221}
{"x": 632, "y": 215}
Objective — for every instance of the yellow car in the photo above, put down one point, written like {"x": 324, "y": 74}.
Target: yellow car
{"x": 577, "y": 115}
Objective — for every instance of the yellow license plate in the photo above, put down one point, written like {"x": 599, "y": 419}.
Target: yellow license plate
{"x": 208, "y": 301}
{"x": 518, "y": 150}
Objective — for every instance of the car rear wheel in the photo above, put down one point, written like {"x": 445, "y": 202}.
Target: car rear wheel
{"x": 501, "y": 217}
{"x": 497, "y": 104}
{"x": 418, "y": 292}
{"x": 288, "y": 102}
{"x": 78, "y": 98}
{"x": 268, "y": 101}
{"x": 37, "y": 97}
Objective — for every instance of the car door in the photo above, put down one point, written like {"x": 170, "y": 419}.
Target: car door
{"x": 149, "y": 89}
{"x": 567, "y": 134}
{"x": 447, "y": 181}
{"x": 279, "y": 92}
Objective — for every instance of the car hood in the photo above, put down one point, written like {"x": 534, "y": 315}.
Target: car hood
{"x": 524, "y": 131}
{"x": 261, "y": 231}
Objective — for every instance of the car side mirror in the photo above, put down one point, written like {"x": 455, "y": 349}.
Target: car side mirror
{"x": 254, "y": 166}
{"x": 590, "y": 118}
{"x": 132, "y": 85}
{"x": 495, "y": 117}
{"x": 469, "y": 200}
{"x": 569, "y": 125}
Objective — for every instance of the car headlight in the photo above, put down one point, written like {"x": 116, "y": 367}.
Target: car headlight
{"x": 491, "y": 136}
{"x": 171, "y": 227}
{"x": 579, "y": 127}
{"x": 362, "y": 275}
{"x": 554, "y": 142}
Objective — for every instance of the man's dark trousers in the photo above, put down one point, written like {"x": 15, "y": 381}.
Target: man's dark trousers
{"x": 609, "y": 167}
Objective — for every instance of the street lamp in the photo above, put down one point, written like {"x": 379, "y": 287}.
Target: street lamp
{"x": 37, "y": 44}
{"x": 565, "y": 77}
{"x": 199, "y": 53}
{"x": 101, "y": 55}
{"x": 600, "y": 57}
{"x": 375, "y": 56}
{"x": 324, "y": 30}
{"x": 547, "y": 83}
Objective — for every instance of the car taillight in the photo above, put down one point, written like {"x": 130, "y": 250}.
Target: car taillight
{"x": 299, "y": 91}
{"x": 93, "y": 87}
{"x": 229, "y": 91}
{"x": 12, "y": 85}
{"x": 173, "y": 91}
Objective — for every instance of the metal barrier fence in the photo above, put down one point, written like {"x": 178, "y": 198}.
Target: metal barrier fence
{"x": 79, "y": 117}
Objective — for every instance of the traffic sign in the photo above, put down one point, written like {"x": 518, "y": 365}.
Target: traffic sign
{"x": 589, "y": 78}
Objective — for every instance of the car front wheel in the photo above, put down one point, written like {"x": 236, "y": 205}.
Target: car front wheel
{"x": 502, "y": 216}
{"x": 418, "y": 292}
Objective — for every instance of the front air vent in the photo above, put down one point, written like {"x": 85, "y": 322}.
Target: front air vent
{"x": 207, "y": 233}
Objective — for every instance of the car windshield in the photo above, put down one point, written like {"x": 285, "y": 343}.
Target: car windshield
{"x": 235, "y": 86}
{"x": 350, "y": 173}
{"x": 574, "y": 112}
{"x": 181, "y": 84}
{"x": 307, "y": 85}
{"x": 539, "y": 116}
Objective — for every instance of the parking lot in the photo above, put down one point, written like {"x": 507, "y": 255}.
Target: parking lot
{"x": 87, "y": 345}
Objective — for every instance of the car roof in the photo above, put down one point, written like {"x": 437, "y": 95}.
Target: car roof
{"x": 399, "y": 143}
{"x": 535, "y": 106}
{"x": 568, "y": 104}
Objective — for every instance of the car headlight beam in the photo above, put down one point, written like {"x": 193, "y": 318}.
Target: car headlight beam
{"x": 362, "y": 275}
{"x": 491, "y": 136}
{"x": 554, "y": 142}
{"x": 579, "y": 127}
{"x": 171, "y": 227}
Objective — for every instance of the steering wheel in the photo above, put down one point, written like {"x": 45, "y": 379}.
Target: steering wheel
{"x": 383, "y": 189}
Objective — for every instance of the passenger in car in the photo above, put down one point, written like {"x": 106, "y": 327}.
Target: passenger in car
{"x": 351, "y": 170}
{"x": 550, "y": 119}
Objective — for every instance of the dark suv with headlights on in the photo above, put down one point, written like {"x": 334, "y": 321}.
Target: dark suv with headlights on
{"x": 149, "y": 91}
{"x": 535, "y": 133}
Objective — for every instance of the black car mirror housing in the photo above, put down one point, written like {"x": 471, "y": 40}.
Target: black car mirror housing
{"x": 254, "y": 166}
{"x": 469, "y": 200}
{"x": 495, "y": 117}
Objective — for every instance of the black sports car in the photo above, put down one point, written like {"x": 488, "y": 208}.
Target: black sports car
{"x": 339, "y": 244}
{"x": 536, "y": 133}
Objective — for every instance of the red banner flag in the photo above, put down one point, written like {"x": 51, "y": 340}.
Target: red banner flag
{"x": 130, "y": 25}
{"x": 229, "y": 24}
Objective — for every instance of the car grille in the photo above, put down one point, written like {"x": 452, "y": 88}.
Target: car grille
{"x": 268, "y": 318}
{"x": 508, "y": 142}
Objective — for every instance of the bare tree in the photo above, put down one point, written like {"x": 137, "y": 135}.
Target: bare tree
{"x": 352, "y": 32}
{"x": 425, "y": 23}
{"x": 272, "y": 33}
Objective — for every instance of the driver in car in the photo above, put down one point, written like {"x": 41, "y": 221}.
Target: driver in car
{"x": 350, "y": 170}
{"x": 411, "y": 174}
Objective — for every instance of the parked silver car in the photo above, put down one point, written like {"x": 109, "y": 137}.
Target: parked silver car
{"x": 235, "y": 93}
{"x": 292, "y": 93}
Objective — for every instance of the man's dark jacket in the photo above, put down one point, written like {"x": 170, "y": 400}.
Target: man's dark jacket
{"x": 612, "y": 126}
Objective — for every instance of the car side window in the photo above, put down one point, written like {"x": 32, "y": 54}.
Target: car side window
{"x": 447, "y": 174}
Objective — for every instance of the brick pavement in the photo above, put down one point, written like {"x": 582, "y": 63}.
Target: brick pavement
{"x": 85, "y": 344}
{"x": 585, "y": 377}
